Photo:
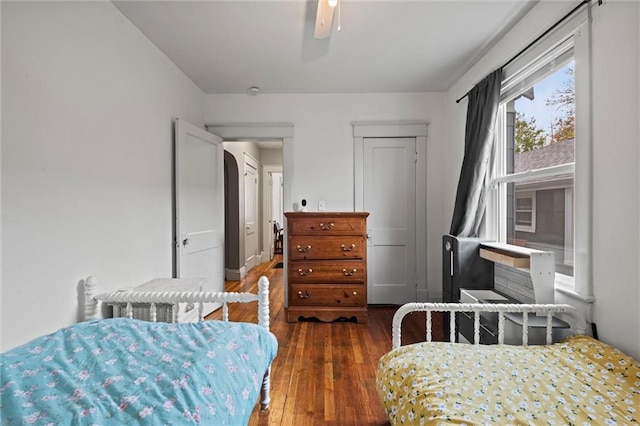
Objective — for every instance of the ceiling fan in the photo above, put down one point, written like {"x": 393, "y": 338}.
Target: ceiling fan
{"x": 324, "y": 18}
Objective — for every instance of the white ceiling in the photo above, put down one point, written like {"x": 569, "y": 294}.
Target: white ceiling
{"x": 384, "y": 46}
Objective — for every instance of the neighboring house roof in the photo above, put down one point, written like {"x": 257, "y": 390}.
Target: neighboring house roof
{"x": 547, "y": 156}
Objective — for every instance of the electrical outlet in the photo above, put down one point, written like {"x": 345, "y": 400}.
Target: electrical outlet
{"x": 321, "y": 206}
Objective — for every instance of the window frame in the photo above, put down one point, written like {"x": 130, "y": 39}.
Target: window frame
{"x": 578, "y": 29}
{"x": 532, "y": 211}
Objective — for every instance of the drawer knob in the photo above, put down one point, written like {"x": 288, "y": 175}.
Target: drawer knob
{"x": 345, "y": 248}
{"x": 349, "y": 273}
{"x": 355, "y": 293}
{"x": 304, "y": 295}
{"x": 303, "y": 249}
{"x": 327, "y": 227}
{"x": 304, "y": 273}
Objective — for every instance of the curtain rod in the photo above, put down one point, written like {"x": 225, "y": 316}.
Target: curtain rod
{"x": 554, "y": 26}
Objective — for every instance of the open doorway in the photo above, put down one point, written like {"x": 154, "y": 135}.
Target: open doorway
{"x": 273, "y": 195}
{"x": 253, "y": 202}
{"x": 264, "y": 132}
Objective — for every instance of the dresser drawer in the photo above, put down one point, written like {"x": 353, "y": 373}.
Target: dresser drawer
{"x": 341, "y": 271}
{"x": 327, "y": 225}
{"x": 327, "y": 295}
{"x": 311, "y": 247}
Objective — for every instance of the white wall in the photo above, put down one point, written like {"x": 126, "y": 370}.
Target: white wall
{"x": 271, "y": 157}
{"x": 616, "y": 114}
{"x": 87, "y": 110}
{"x": 616, "y": 177}
{"x": 1, "y": 322}
{"x": 321, "y": 165}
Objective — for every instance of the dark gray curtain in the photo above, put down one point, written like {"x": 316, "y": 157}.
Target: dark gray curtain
{"x": 482, "y": 109}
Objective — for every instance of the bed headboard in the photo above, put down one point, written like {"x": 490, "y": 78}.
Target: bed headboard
{"x": 92, "y": 300}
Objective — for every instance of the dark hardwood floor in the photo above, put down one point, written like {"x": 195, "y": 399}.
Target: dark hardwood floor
{"x": 324, "y": 373}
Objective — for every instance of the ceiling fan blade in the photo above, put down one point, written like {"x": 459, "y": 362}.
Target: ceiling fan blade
{"x": 324, "y": 20}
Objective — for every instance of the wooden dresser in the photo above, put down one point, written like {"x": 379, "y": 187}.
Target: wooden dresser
{"x": 327, "y": 265}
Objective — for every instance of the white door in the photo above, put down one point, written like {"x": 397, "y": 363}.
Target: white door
{"x": 199, "y": 199}
{"x": 251, "y": 212}
{"x": 389, "y": 166}
{"x": 272, "y": 207}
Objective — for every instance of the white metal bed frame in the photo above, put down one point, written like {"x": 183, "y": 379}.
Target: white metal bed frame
{"x": 92, "y": 301}
{"x": 576, "y": 320}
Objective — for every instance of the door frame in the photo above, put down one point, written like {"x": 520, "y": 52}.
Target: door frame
{"x": 249, "y": 131}
{"x": 256, "y": 257}
{"x": 398, "y": 129}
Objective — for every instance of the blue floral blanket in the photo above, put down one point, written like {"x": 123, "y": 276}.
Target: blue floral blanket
{"x": 123, "y": 371}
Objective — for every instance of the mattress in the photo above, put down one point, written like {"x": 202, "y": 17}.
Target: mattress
{"x": 577, "y": 381}
{"x": 125, "y": 371}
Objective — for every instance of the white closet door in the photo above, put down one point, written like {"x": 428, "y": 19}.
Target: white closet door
{"x": 389, "y": 166}
{"x": 251, "y": 212}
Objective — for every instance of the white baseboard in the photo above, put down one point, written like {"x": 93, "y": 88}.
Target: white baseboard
{"x": 236, "y": 274}
{"x": 423, "y": 296}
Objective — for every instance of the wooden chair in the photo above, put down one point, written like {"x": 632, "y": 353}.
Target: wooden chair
{"x": 277, "y": 238}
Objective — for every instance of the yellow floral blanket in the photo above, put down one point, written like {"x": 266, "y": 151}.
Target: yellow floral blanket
{"x": 577, "y": 381}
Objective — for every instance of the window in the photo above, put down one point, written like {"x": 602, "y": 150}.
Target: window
{"x": 532, "y": 202}
{"x": 538, "y": 169}
{"x": 525, "y": 211}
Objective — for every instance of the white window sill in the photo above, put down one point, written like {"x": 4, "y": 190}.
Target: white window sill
{"x": 565, "y": 284}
